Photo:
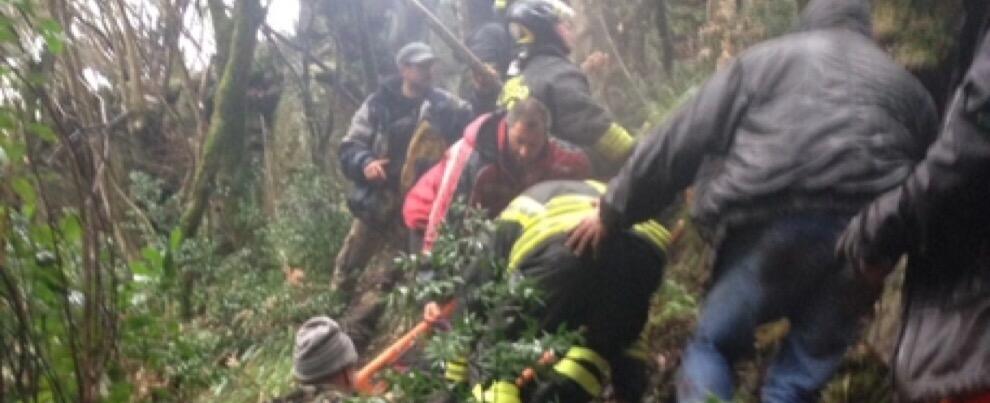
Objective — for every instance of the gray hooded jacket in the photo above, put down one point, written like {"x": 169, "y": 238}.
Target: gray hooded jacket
{"x": 820, "y": 119}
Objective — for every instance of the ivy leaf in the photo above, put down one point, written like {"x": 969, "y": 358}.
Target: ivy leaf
{"x": 175, "y": 240}
{"x": 140, "y": 268}
{"x": 43, "y": 132}
{"x": 52, "y": 33}
{"x": 154, "y": 258}
{"x": 6, "y": 120}
{"x": 6, "y": 30}
{"x": 28, "y": 196}
{"x": 15, "y": 151}
{"x": 71, "y": 228}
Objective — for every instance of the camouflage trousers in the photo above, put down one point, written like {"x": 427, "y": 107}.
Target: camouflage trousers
{"x": 364, "y": 273}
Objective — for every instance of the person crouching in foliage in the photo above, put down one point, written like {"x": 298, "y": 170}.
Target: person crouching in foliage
{"x": 785, "y": 145}
{"x": 500, "y": 155}
{"x": 605, "y": 297}
{"x": 372, "y": 156}
{"x": 323, "y": 361}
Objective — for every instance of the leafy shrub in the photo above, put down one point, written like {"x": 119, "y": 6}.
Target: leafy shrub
{"x": 464, "y": 245}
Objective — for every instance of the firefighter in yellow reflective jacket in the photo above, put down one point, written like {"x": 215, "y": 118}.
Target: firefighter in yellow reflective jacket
{"x": 542, "y": 69}
{"x": 606, "y": 297}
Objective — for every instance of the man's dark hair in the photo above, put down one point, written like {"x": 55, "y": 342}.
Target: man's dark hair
{"x": 530, "y": 111}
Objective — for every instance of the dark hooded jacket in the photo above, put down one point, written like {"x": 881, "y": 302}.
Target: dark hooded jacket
{"x": 492, "y": 43}
{"x": 545, "y": 72}
{"x": 383, "y": 128}
{"x": 939, "y": 217}
{"x": 819, "y": 120}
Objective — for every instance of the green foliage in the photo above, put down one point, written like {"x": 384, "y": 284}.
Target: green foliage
{"x": 39, "y": 289}
{"x": 70, "y": 305}
{"x": 239, "y": 347}
{"x": 460, "y": 243}
{"x": 919, "y": 34}
{"x": 311, "y": 221}
{"x": 46, "y": 281}
{"x": 159, "y": 207}
{"x": 479, "y": 334}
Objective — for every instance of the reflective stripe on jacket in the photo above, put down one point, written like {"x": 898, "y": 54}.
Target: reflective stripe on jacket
{"x": 546, "y": 212}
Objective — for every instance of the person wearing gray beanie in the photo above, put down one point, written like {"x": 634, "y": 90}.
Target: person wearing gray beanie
{"x": 323, "y": 352}
{"x": 322, "y": 362}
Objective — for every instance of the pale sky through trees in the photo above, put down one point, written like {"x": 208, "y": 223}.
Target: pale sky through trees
{"x": 282, "y": 16}
{"x": 197, "y": 44}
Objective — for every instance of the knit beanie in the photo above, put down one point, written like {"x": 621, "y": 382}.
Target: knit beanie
{"x": 322, "y": 349}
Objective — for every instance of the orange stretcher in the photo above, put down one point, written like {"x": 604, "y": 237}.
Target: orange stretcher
{"x": 365, "y": 382}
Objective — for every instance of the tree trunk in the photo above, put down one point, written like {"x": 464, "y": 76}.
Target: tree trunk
{"x": 222, "y": 30}
{"x": 227, "y": 126}
{"x": 367, "y": 53}
{"x": 135, "y": 91}
{"x": 666, "y": 36}
{"x": 228, "y": 121}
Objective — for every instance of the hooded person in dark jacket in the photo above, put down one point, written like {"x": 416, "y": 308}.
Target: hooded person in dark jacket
{"x": 939, "y": 217}
{"x": 493, "y": 45}
{"x": 784, "y": 145}
{"x": 542, "y": 70}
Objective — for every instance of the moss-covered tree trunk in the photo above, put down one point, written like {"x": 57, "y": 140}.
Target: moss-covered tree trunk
{"x": 227, "y": 125}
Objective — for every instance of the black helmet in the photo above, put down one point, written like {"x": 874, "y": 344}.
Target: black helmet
{"x": 539, "y": 18}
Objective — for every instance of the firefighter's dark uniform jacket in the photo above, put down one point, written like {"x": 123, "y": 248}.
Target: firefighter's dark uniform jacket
{"x": 940, "y": 217}
{"x": 607, "y": 295}
{"x": 819, "y": 120}
{"x": 544, "y": 71}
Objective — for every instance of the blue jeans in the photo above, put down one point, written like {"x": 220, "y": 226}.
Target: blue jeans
{"x": 785, "y": 268}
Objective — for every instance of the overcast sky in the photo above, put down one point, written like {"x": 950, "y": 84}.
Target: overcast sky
{"x": 282, "y": 16}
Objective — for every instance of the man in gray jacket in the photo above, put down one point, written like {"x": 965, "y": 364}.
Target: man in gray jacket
{"x": 784, "y": 145}
{"x": 372, "y": 156}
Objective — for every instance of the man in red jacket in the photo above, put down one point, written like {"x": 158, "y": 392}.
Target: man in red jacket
{"x": 500, "y": 155}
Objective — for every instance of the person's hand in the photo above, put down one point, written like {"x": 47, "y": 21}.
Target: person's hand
{"x": 587, "y": 235}
{"x": 485, "y": 80}
{"x": 851, "y": 247}
{"x": 596, "y": 64}
{"x": 375, "y": 170}
{"x": 873, "y": 274}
